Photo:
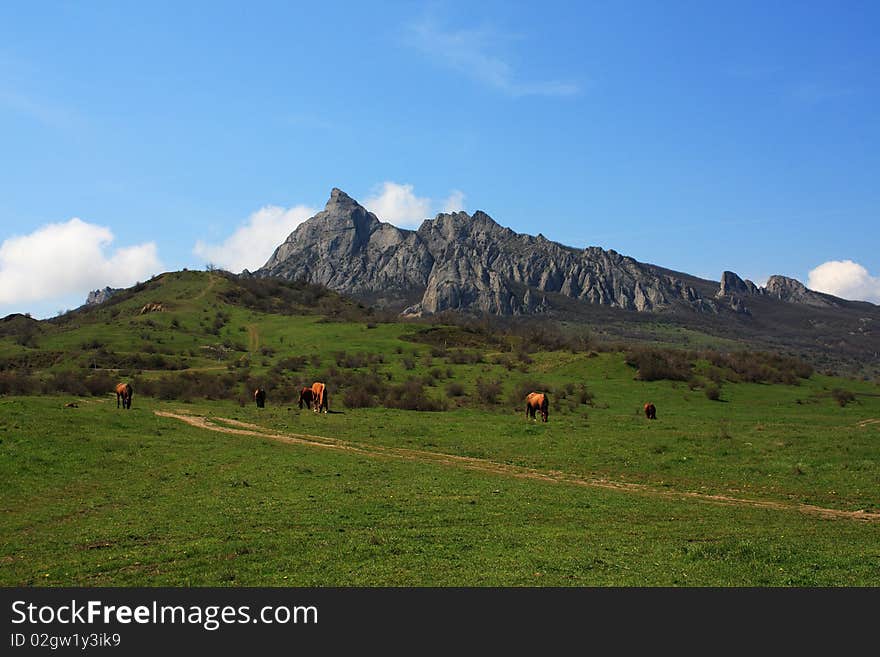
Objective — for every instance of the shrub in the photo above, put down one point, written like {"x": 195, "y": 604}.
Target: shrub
{"x": 713, "y": 392}
{"x": 465, "y": 357}
{"x": 654, "y": 364}
{"x": 411, "y": 396}
{"x": 100, "y": 383}
{"x": 13, "y": 382}
{"x": 584, "y": 396}
{"x": 455, "y": 389}
{"x": 487, "y": 391}
{"x": 292, "y": 363}
{"x": 842, "y": 396}
{"x": 359, "y": 398}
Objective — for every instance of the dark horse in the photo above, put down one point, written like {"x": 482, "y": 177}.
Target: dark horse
{"x": 650, "y": 411}
{"x": 537, "y": 401}
{"x": 306, "y": 397}
{"x": 260, "y": 397}
{"x": 123, "y": 392}
{"x": 320, "y": 397}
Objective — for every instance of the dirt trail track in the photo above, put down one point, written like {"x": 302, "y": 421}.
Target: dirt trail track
{"x": 212, "y": 281}
{"x": 253, "y": 337}
{"x": 553, "y": 476}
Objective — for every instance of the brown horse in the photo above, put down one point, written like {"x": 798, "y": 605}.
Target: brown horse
{"x": 537, "y": 401}
{"x": 123, "y": 392}
{"x": 650, "y": 411}
{"x": 306, "y": 397}
{"x": 260, "y": 397}
{"x": 320, "y": 397}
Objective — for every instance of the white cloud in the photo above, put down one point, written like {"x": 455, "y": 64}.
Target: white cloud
{"x": 398, "y": 204}
{"x": 471, "y": 52}
{"x": 62, "y": 259}
{"x": 845, "y": 279}
{"x": 251, "y": 245}
{"x": 454, "y": 202}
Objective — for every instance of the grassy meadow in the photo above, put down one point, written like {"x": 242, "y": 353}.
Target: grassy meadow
{"x": 97, "y": 496}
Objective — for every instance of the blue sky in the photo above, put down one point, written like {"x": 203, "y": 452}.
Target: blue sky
{"x": 700, "y": 136}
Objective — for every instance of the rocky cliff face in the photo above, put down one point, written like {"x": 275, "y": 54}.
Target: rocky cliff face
{"x": 100, "y": 296}
{"x": 471, "y": 263}
{"x": 348, "y": 249}
{"x": 463, "y": 262}
{"x": 788, "y": 289}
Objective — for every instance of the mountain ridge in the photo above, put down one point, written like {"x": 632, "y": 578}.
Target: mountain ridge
{"x": 471, "y": 263}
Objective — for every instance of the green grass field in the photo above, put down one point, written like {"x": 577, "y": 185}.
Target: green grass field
{"x": 598, "y": 496}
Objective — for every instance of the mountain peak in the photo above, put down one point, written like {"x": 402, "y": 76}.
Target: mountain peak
{"x": 790, "y": 289}
{"x": 338, "y": 198}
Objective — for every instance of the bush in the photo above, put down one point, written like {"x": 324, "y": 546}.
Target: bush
{"x": 713, "y": 392}
{"x": 454, "y": 389}
{"x": 584, "y": 396}
{"x": 359, "y": 398}
{"x": 758, "y": 367}
{"x": 100, "y": 383}
{"x": 488, "y": 391}
{"x": 654, "y": 364}
{"x": 13, "y": 382}
{"x": 465, "y": 357}
{"x": 411, "y": 396}
{"x": 291, "y": 363}
{"x": 842, "y": 396}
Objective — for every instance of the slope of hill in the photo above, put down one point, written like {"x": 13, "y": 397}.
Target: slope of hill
{"x": 426, "y": 444}
{"x": 472, "y": 265}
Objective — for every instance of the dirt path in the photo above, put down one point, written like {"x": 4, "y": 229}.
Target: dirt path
{"x": 865, "y": 423}
{"x": 253, "y": 337}
{"x": 225, "y": 425}
{"x": 212, "y": 281}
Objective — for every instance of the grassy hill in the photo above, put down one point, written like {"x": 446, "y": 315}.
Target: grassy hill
{"x": 758, "y": 470}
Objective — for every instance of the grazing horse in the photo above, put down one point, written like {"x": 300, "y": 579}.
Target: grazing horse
{"x": 306, "y": 397}
{"x": 260, "y": 397}
{"x": 123, "y": 392}
{"x": 537, "y": 401}
{"x": 650, "y": 411}
{"x": 321, "y": 397}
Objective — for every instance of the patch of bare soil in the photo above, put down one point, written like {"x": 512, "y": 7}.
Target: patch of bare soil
{"x": 237, "y": 427}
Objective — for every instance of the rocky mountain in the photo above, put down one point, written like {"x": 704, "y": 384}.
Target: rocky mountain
{"x": 467, "y": 263}
{"x": 470, "y": 263}
{"x": 100, "y": 296}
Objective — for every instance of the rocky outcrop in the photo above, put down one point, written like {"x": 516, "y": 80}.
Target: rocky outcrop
{"x": 464, "y": 262}
{"x": 153, "y": 307}
{"x": 458, "y": 261}
{"x": 100, "y": 296}
{"x": 348, "y": 249}
{"x": 791, "y": 290}
{"x": 731, "y": 285}
{"x": 732, "y": 291}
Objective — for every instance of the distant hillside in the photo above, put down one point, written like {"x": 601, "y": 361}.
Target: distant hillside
{"x": 211, "y": 321}
{"x": 469, "y": 264}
